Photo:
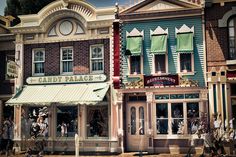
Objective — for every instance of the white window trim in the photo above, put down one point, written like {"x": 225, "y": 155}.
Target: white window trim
{"x": 170, "y": 135}
{"x": 90, "y": 60}
{"x": 141, "y": 66}
{"x": 61, "y": 61}
{"x": 154, "y": 65}
{"x": 192, "y": 66}
{"x": 133, "y": 33}
{"x": 159, "y": 31}
{"x": 33, "y": 62}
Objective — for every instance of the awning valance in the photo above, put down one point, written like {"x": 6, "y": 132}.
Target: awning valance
{"x": 71, "y": 94}
{"x": 158, "y": 44}
{"x": 134, "y": 45}
{"x": 184, "y": 42}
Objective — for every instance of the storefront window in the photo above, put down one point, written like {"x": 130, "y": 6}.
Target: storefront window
{"x": 67, "y": 121}
{"x": 34, "y": 122}
{"x": 97, "y": 121}
{"x": 162, "y": 118}
{"x": 192, "y": 117}
{"x": 177, "y": 118}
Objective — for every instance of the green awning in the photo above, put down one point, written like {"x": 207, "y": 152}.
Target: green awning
{"x": 158, "y": 44}
{"x": 184, "y": 42}
{"x": 134, "y": 45}
{"x": 71, "y": 94}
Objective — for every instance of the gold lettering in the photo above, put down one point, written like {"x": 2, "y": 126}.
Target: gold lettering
{"x": 67, "y": 78}
{"x": 40, "y": 80}
{"x": 44, "y": 80}
{"x": 54, "y": 79}
{"x": 90, "y": 78}
{"x": 59, "y": 79}
{"x": 81, "y": 78}
{"x": 71, "y": 79}
{"x": 85, "y": 78}
{"x": 49, "y": 79}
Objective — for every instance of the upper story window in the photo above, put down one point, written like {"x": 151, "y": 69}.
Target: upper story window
{"x": 97, "y": 58}
{"x": 159, "y": 50}
{"x": 134, "y": 51}
{"x": 232, "y": 48}
{"x": 66, "y": 60}
{"x": 38, "y": 61}
{"x": 185, "y": 49}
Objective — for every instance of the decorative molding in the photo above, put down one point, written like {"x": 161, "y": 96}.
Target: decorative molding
{"x": 224, "y": 21}
{"x": 119, "y": 96}
{"x": 184, "y": 29}
{"x": 135, "y": 32}
{"x": 159, "y": 30}
{"x": 135, "y": 84}
{"x": 149, "y": 97}
{"x": 185, "y": 82}
{"x": 52, "y": 32}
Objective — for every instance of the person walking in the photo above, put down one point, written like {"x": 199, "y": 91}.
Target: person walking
{"x": 7, "y": 136}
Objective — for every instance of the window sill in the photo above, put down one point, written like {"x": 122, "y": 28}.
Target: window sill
{"x": 35, "y": 75}
{"x": 159, "y": 74}
{"x": 167, "y": 136}
{"x": 69, "y": 73}
{"x": 97, "y": 138}
{"x": 134, "y": 75}
{"x": 230, "y": 62}
{"x": 186, "y": 73}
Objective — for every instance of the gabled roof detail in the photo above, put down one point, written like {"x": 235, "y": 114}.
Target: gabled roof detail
{"x": 160, "y": 5}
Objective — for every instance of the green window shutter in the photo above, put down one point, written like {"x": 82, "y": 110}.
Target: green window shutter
{"x": 134, "y": 44}
{"x": 158, "y": 44}
{"x": 184, "y": 42}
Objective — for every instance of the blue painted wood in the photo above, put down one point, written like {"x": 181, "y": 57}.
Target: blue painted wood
{"x": 171, "y": 24}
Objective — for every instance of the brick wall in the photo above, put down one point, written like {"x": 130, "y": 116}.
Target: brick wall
{"x": 216, "y": 38}
{"x": 81, "y": 56}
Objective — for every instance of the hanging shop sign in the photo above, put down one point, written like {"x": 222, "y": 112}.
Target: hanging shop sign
{"x": 11, "y": 69}
{"x": 66, "y": 79}
{"x": 167, "y": 80}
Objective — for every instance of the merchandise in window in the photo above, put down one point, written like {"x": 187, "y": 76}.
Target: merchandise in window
{"x": 162, "y": 118}
{"x": 34, "y": 122}
{"x": 97, "y": 58}
{"x": 186, "y": 62}
{"x": 160, "y": 63}
{"x": 135, "y": 65}
{"x": 67, "y": 121}
{"x": 67, "y": 60}
{"x": 97, "y": 121}
{"x": 38, "y": 61}
{"x": 231, "y": 29}
{"x": 193, "y": 117}
{"x": 177, "y": 118}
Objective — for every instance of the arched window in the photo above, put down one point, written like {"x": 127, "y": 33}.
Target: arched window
{"x": 231, "y": 28}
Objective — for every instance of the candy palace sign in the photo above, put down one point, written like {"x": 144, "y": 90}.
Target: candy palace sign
{"x": 66, "y": 79}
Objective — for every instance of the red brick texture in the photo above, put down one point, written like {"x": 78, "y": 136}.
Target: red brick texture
{"x": 216, "y": 38}
{"x": 81, "y": 52}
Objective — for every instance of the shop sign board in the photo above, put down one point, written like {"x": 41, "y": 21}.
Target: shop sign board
{"x": 165, "y": 80}
{"x": 11, "y": 69}
{"x": 66, "y": 79}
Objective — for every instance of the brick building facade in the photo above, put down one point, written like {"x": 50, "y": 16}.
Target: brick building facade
{"x": 220, "y": 48}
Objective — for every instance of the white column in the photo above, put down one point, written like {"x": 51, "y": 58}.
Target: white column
{"x": 149, "y": 130}
{"x": 119, "y": 103}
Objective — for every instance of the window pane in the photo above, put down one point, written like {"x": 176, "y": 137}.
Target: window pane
{"x": 39, "y": 68}
{"x": 67, "y": 121}
{"x": 135, "y": 65}
{"x": 133, "y": 120}
{"x": 97, "y": 121}
{"x": 231, "y": 32}
{"x": 233, "y": 89}
{"x": 177, "y": 126}
{"x": 34, "y": 122}
{"x": 97, "y": 65}
{"x": 97, "y": 52}
{"x": 67, "y": 66}
{"x": 177, "y": 110}
{"x": 162, "y": 110}
{"x": 193, "y": 117}
{"x": 67, "y": 54}
{"x": 162, "y": 118}
{"x": 231, "y": 42}
{"x": 160, "y": 62}
{"x": 185, "y": 62}
{"x": 232, "y": 54}
{"x": 38, "y": 56}
{"x": 141, "y": 121}
{"x": 231, "y": 22}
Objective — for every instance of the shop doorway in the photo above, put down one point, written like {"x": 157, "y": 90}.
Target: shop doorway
{"x": 136, "y": 126}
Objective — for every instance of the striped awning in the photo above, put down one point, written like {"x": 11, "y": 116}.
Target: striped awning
{"x": 71, "y": 94}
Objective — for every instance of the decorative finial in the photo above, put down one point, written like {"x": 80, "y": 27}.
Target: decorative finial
{"x": 117, "y": 11}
